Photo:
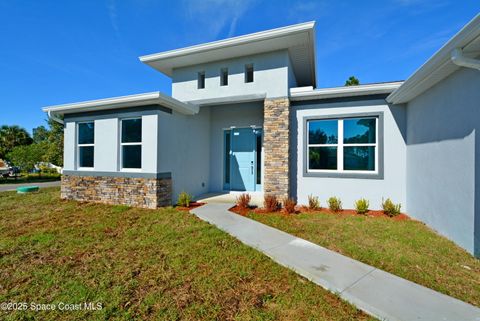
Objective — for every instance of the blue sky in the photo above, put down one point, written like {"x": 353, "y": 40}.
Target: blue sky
{"x": 54, "y": 52}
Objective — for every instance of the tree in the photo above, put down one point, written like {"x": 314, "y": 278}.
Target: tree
{"x": 40, "y": 134}
{"x": 11, "y": 136}
{"x": 54, "y": 141}
{"x": 27, "y": 156}
{"x": 352, "y": 81}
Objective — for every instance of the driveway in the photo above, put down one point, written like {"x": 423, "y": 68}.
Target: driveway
{"x": 12, "y": 187}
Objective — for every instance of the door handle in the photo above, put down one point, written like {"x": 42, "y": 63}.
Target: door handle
{"x": 251, "y": 166}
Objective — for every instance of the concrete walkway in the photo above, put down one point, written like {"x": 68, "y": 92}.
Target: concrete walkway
{"x": 374, "y": 291}
{"x": 13, "y": 187}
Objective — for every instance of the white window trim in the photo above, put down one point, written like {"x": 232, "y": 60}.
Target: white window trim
{"x": 127, "y": 169}
{"x": 340, "y": 147}
{"x": 84, "y": 145}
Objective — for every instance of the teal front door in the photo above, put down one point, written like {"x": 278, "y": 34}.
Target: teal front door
{"x": 242, "y": 159}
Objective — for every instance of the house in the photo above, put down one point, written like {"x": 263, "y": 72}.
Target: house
{"x": 245, "y": 115}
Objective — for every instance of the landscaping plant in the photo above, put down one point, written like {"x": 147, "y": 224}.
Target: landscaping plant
{"x": 334, "y": 204}
{"x": 184, "y": 199}
{"x": 313, "y": 202}
{"x": 243, "y": 201}
{"x": 289, "y": 205}
{"x": 271, "y": 203}
{"x": 390, "y": 208}
{"x": 361, "y": 206}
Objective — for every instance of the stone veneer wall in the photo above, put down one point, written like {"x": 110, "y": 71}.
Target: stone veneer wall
{"x": 137, "y": 192}
{"x": 276, "y": 146}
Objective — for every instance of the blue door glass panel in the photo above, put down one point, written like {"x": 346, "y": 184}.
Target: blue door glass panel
{"x": 242, "y": 162}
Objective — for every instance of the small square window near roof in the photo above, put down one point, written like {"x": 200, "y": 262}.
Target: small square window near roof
{"x": 224, "y": 77}
{"x": 201, "y": 80}
{"x": 249, "y": 73}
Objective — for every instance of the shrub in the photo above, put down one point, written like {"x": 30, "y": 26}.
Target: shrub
{"x": 184, "y": 199}
{"x": 361, "y": 206}
{"x": 390, "y": 208}
{"x": 313, "y": 202}
{"x": 334, "y": 204}
{"x": 243, "y": 201}
{"x": 289, "y": 205}
{"x": 271, "y": 203}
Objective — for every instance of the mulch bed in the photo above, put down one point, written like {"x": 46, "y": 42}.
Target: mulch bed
{"x": 191, "y": 207}
{"x": 303, "y": 209}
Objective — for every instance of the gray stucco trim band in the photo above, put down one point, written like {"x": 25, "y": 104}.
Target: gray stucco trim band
{"x": 118, "y": 174}
{"x": 377, "y": 175}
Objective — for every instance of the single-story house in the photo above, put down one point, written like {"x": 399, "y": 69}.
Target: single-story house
{"x": 245, "y": 114}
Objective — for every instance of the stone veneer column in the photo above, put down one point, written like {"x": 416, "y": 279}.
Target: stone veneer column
{"x": 276, "y": 147}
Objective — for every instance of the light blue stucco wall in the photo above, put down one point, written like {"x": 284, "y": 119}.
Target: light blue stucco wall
{"x": 349, "y": 190}
{"x": 223, "y": 117}
{"x": 106, "y": 140}
{"x": 443, "y": 158}
{"x": 184, "y": 150}
{"x": 271, "y": 77}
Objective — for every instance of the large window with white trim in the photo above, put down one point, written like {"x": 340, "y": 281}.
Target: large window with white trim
{"x": 131, "y": 143}
{"x": 342, "y": 145}
{"x": 86, "y": 144}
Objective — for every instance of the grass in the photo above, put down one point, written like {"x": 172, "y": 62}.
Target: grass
{"x": 143, "y": 265}
{"x": 405, "y": 248}
{"x": 30, "y": 178}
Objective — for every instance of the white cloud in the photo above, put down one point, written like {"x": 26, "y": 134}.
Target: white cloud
{"x": 214, "y": 16}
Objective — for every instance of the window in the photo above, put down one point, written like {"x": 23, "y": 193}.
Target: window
{"x": 342, "y": 145}
{"x": 224, "y": 77}
{"x": 201, "y": 80}
{"x": 131, "y": 143}
{"x": 249, "y": 73}
{"x": 86, "y": 137}
{"x": 227, "y": 157}
{"x": 259, "y": 156}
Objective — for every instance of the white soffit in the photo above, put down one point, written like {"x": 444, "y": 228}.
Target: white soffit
{"x": 440, "y": 65}
{"x": 152, "y": 98}
{"x": 298, "y": 94}
{"x": 298, "y": 39}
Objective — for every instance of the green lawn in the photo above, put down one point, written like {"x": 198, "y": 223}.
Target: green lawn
{"x": 405, "y": 248}
{"x": 144, "y": 265}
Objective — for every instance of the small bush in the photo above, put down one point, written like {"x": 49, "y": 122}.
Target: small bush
{"x": 390, "y": 208}
{"x": 334, "y": 204}
{"x": 289, "y": 205}
{"x": 361, "y": 206}
{"x": 243, "y": 201}
{"x": 271, "y": 203}
{"x": 184, "y": 199}
{"x": 313, "y": 202}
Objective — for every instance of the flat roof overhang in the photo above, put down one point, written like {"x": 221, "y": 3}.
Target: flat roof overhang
{"x": 298, "y": 39}
{"x": 301, "y": 94}
{"x": 440, "y": 65}
{"x": 152, "y": 98}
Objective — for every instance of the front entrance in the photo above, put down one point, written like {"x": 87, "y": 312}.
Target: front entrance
{"x": 243, "y": 159}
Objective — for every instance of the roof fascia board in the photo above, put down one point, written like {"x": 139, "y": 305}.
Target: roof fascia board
{"x": 346, "y": 91}
{"x": 421, "y": 79}
{"x": 123, "y": 102}
{"x": 258, "y": 36}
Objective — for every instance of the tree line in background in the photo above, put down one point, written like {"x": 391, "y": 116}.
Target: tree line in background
{"x": 24, "y": 151}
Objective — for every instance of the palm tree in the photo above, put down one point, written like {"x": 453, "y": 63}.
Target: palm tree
{"x": 11, "y": 136}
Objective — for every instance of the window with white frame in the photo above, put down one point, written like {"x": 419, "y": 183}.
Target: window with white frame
{"x": 131, "y": 143}
{"x": 342, "y": 145}
{"x": 85, "y": 144}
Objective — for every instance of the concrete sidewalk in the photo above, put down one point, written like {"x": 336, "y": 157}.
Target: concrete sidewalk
{"x": 13, "y": 187}
{"x": 374, "y": 291}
